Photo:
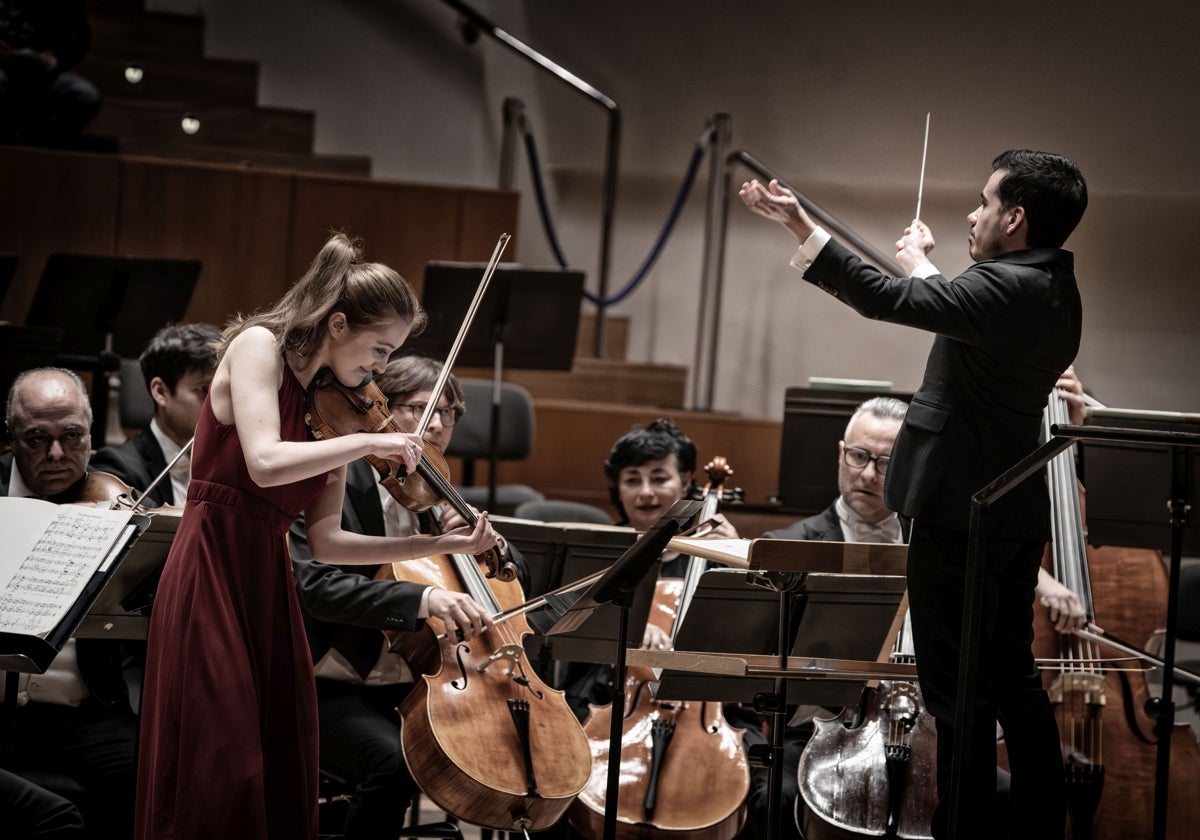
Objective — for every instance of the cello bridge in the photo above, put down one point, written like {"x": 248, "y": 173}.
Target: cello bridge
{"x": 510, "y": 654}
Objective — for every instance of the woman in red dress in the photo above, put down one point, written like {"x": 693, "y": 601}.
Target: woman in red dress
{"x": 229, "y": 724}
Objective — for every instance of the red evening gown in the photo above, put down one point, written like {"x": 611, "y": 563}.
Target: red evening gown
{"x": 229, "y": 721}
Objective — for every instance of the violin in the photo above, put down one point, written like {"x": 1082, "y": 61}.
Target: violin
{"x": 684, "y": 771}
{"x": 100, "y": 486}
{"x": 333, "y": 409}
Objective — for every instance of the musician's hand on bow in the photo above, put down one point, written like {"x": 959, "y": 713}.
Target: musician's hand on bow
{"x": 719, "y": 527}
{"x": 1071, "y": 390}
{"x": 912, "y": 249}
{"x": 779, "y": 205}
{"x": 397, "y": 446}
{"x": 655, "y": 639}
{"x": 1065, "y": 608}
{"x": 459, "y": 612}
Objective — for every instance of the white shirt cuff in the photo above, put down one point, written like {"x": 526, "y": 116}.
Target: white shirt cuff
{"x": 808, "y": 252}
{"x": 926, "y": 271}
{"x": 423, "y": 610}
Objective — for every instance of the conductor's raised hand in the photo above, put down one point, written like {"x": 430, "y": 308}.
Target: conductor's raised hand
{"x": 779, "y": 205}
{"x": 459, "y": 612}
{"x": 912, "y": 249}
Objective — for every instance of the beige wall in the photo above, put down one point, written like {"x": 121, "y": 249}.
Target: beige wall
{"x": 833, "y": 96}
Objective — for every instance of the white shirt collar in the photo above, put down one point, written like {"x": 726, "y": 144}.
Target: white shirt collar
{"x": 856, "y": 530}
{"x": 17, "y": 488}
{"x": 181, "y": 472}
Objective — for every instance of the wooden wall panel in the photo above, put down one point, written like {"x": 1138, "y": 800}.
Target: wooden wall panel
{"x": 402, "y": 225}
{"x": 573, "y": 439}
{"x": 486, "y": 215}
{"x": 235, "y": 221}
{"x": 52, "y": 202}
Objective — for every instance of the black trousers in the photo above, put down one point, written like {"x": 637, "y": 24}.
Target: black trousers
{"x": 1009, "y": 689}
{"x": 92, "y": 744}
{"x": 29, "y": 811}
{"x": 360, "y": 740}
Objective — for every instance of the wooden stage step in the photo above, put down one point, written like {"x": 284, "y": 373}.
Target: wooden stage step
{"x": 146, "y": 34}
{"x": 276, "y": 129}
{"x": 603, "y": 381}
{"x": 198, "y": 81}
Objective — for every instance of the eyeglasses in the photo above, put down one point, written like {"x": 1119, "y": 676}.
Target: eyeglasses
{"x": 448, "y": 416}
{"x": 859, "y": 458}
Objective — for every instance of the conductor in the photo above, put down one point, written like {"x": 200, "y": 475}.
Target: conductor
{"x": 1004, "y": 330}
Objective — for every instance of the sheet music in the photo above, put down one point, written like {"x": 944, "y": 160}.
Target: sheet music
{"x": 51, "y": 553}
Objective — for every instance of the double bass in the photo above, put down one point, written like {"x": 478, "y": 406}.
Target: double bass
{"x": 1108, "y": 741}
{"x": 684, "y": 771}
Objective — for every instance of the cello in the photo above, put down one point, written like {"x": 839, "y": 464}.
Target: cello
{"x": 483, "y": 737}
{"x": 1109, "y": 749}
{"x": 684, "y": 771}
{"x": 869, "y": 771}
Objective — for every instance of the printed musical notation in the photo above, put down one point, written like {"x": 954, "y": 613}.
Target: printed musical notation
{"x": 56, "y": 549}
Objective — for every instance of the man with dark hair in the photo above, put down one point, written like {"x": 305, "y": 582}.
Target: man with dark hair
{"x": 76, "y": 718}
{"x": 1005, "y": 330}
{"x": 177, "y": 366}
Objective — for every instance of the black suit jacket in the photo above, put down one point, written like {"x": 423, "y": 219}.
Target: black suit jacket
{"x": 137, "y": 462}
{"x": 101, "y": 661}
{"x": 1006, "y": 329}
{"x": 345, "y": 609}
{"x": 824, "y": 526}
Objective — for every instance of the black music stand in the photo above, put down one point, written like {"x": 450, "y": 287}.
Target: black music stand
{"x": 558, "y": 554}
{"x": 617, "y": 586}
{"x": 108, "y": 308}
{"x": 1117, "y": 517}
{"x": 24, "y": 348}
{"x": 825, "y": 606}
{"x": 33, "y": 654}
{"x": 528, "y": 319}
{"x": 1170, "y": 433}
{"x": 8, "y": 267}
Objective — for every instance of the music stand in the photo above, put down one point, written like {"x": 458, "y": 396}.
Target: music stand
{"x": 617, "y": 586}
{"x": 33, "y": 654}
{"x": 8, "y": 267}
{"x": 122, "y": 609}
{"x": 1117, "y": 517}
{"x": 529, "y": 319}
{"x": 559, "y": 554}
{"x": 25, "y": 348}
{"x": 817, "y": 610}
{"x": 109, "y": 307}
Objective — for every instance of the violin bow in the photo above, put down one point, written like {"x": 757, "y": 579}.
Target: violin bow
{"x": 444, "y": 374}
{"x": 186, "y": 447}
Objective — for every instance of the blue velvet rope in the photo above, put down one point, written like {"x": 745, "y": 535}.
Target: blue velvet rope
{"x": 685, "y": 189}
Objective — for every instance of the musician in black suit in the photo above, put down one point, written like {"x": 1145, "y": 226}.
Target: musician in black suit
{"x": 1005, "y": 330}
{"x": 177, "y": 367}
{"x": 360, "y": 683}
{"x": 76, "y": 719}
